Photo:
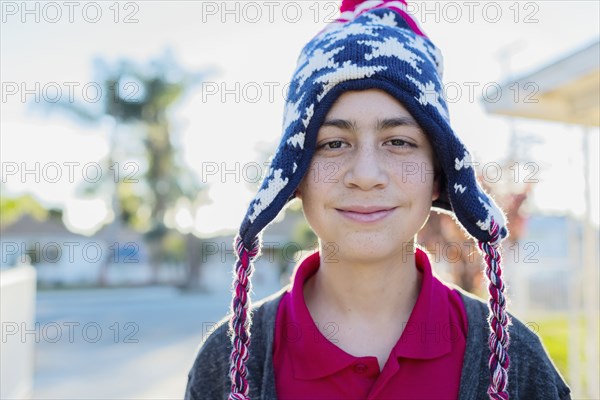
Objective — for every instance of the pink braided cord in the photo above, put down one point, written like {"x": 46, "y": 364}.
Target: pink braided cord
{"x": 240, "y": 322}
{"x": 498, "y": 320}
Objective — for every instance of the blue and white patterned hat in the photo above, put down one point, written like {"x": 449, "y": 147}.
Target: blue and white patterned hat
{"x": 377, "y": 49}
{"x": 373, "y": 44}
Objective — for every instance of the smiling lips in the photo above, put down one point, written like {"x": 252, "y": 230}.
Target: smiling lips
{"x": 366, "y": 214}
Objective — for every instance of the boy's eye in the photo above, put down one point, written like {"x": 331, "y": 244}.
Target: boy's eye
{"x": 334, "y": 144}
{"x": 400, "y": 142}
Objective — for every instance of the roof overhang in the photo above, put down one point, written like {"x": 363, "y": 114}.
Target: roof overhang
{"x": 568, "y": 90}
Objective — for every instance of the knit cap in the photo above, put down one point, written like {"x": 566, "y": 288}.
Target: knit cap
{"x": 373, "y": 44}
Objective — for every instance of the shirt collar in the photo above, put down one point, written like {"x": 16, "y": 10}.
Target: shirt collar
{"x": 426, "y": 333}
{"x": 315, "y": 356}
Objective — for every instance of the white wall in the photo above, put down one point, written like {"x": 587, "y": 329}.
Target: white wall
{"x": 17, "y": 312}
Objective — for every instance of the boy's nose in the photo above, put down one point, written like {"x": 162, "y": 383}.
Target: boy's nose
{"x": 365, "y": 169}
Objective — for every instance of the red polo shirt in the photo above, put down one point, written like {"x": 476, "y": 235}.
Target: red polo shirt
{"x": 425, "y": 363}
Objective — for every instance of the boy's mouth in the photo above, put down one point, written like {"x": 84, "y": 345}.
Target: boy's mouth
{"x": 366, "y": 214}
{"x": 365, "y": 209}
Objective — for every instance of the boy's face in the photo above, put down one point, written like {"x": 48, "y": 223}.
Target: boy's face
{"x": 370, "y": 185}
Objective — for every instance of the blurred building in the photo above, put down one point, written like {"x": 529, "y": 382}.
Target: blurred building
{"x": 65, "y": 258}
{"x": 541, "y": 268}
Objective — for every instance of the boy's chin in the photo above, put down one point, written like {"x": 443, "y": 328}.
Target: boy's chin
{"x": 365, "y": 250}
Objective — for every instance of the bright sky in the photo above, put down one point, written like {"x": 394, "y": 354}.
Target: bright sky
{"x": 258, "y": 54}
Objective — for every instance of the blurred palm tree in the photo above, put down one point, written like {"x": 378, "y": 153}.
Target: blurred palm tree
{"x": 138, "y": 98}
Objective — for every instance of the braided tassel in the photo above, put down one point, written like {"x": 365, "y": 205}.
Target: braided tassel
{"x": 498, "y": 320}
{"x": 240, "y": 321}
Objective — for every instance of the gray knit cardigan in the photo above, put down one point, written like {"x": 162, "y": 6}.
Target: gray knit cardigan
{"x": 531, "y": 374}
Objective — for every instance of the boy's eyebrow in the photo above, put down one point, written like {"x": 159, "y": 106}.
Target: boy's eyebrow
{"x": 394, "y": 122}
{"x": 381, "y": 123}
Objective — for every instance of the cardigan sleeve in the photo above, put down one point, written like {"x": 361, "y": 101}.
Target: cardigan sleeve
{"x": 534, "y": 375}
{"x": 531, "y": 373}
{"x": 209, "y": 376}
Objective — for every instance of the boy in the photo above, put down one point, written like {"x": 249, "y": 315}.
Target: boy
{"x": 368, "y": 148}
